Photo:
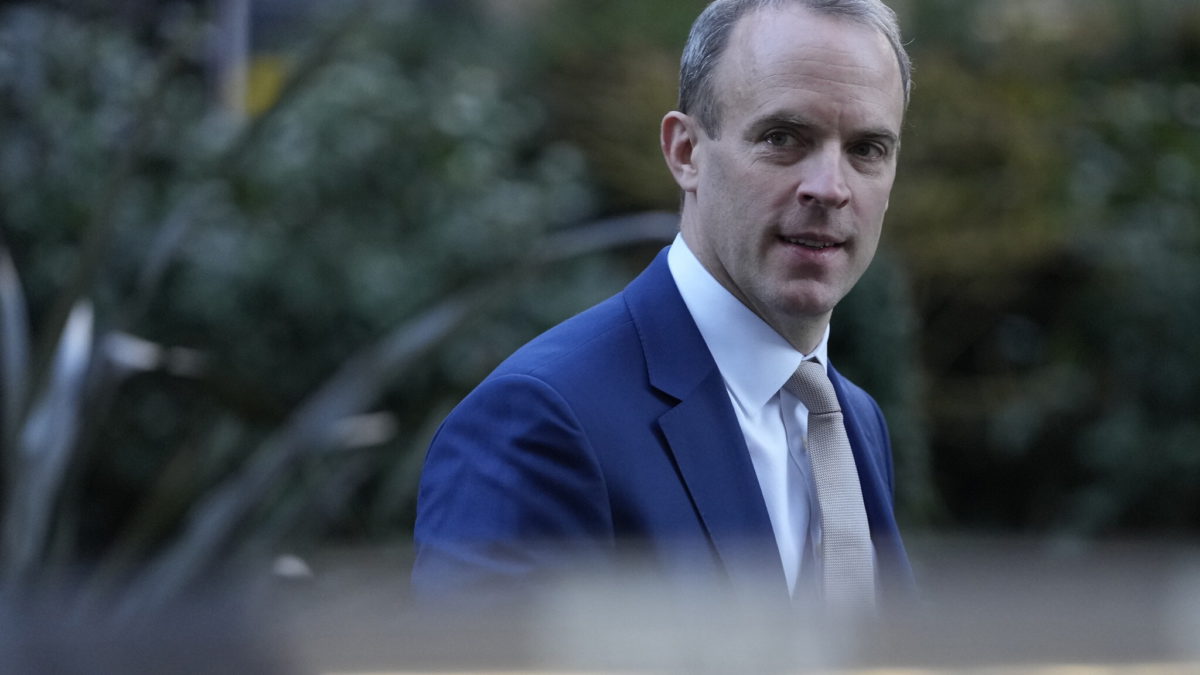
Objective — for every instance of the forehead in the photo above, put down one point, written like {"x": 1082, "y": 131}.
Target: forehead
{"x": 793, "y": 53}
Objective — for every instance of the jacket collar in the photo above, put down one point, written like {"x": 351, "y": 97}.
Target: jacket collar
{"x": 701, "y": 430}
{"x": 677, "y": 359}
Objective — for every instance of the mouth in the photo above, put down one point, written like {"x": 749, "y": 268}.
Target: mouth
{"x": 812, "y": 243}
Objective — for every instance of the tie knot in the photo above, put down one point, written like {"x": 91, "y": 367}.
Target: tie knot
{"x": 811, "y": 385}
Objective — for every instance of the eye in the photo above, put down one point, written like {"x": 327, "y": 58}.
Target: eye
{"x": 869, "y": 150}
{"x": 779, "y": 138}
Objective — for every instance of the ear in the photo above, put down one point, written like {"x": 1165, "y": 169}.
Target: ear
{"x": 679, "y": 136}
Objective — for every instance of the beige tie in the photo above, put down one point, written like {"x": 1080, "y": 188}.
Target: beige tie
{"x": 846, "y": 550}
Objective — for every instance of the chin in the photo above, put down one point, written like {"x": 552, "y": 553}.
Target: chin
{"x": 808, "y": 302}
{"x": 805, "y": 310}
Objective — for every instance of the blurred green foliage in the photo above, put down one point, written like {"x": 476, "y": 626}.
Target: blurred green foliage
{"x": 401, "y": 187}
{"x": 1049, "y": 213}
{"x": 1029, "y": 326}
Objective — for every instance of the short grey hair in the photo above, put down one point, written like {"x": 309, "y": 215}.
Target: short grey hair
{"x": 710, "y": 37}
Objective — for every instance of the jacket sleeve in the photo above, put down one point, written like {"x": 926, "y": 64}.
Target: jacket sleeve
{"x": 883, "y": 441}
{"x": 511, "y": 491}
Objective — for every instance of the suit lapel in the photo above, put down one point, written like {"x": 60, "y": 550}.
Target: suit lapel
{"x": 877, "y": 493}
{"x": 701, "y": 430}
{"x": 872, "y": 457}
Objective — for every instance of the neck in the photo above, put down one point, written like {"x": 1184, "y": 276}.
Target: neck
{"x": 801, "y": 331}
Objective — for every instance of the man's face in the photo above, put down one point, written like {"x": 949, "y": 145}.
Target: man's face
{"x": 785, "y": 207}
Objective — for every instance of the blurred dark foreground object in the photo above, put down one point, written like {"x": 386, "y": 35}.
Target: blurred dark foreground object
{"x": 213, "y": 629}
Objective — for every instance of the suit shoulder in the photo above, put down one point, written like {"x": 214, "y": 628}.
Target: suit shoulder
{"x": 856, "y": 395}
{"x": 864, "y": 408}
{"x": 592, "y": 339}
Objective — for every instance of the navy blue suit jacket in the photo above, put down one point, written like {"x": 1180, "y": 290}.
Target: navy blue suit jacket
{"x": 615, "y": 427}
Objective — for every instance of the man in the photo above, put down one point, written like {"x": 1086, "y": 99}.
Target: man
{"x": 676, "y": 415}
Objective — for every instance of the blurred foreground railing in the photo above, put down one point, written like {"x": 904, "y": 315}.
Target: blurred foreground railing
{"x": 987, "y": 607}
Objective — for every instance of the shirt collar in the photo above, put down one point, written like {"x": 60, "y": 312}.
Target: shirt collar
{"x": 754, "y": 360}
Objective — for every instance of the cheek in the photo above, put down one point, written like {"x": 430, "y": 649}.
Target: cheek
{"x": 872, "y": 210}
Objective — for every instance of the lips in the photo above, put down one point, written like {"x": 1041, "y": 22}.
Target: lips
{"x": 816, "y": 244}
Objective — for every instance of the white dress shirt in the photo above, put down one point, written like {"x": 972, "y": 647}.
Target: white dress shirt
{"x": 755, "y": 363}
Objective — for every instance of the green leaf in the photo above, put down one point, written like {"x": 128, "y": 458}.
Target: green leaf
{"x": 44, "y": 447}
{"x": 14, "y": 349}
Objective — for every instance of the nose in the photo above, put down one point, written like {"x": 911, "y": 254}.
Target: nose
{"x": 823, "y": 180}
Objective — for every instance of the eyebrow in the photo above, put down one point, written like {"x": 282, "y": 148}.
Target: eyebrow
{"x": 881, "y": 134}
{"x": 770, "y": 121}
